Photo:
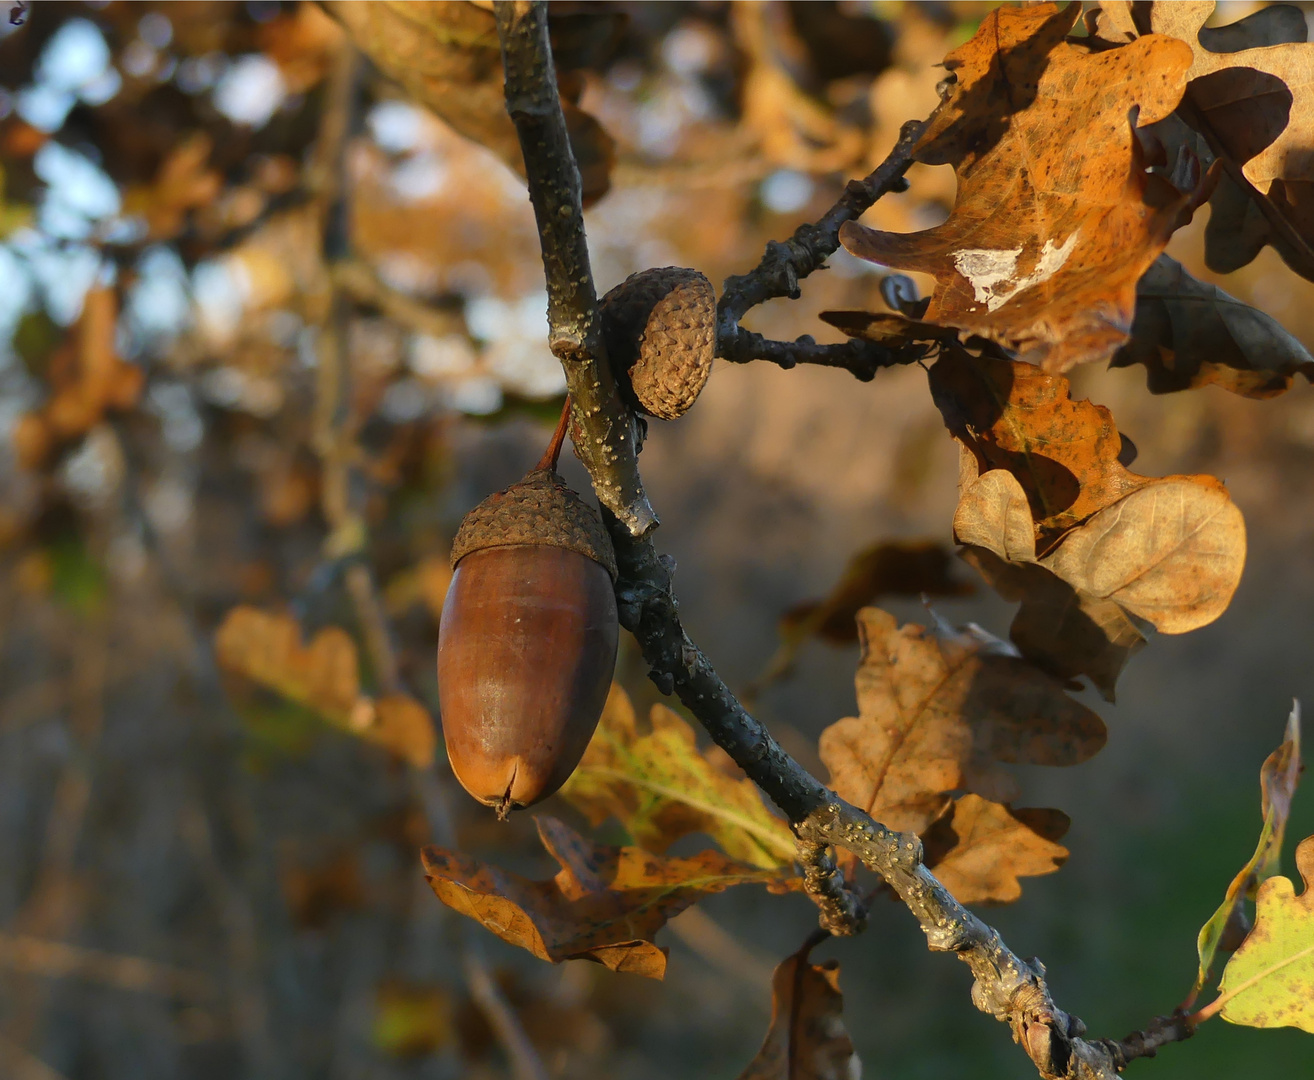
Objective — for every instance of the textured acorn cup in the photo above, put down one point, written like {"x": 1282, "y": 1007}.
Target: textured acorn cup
{"x": 660, "y": 327}
{"x": 527, "y": 640}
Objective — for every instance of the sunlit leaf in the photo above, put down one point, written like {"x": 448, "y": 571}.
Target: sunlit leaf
{"x": 1057, "y": 216}
{"x": 1277, "y": 782}
{"x": 978, "y": 849}
{"x": 653, "y": 779}
{"x": 937, "y": 715}
{"x": 1269, "y": 982}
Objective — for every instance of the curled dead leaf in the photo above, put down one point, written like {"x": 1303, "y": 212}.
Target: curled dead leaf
{"x": 807, "y": 1039}
{"x": 605, "y": 904}
{"x": 978, "y": 849}
{"x": 938, "y": 715}
{"x": 1057, "y": 216}
{"x": 1189, "y": 333}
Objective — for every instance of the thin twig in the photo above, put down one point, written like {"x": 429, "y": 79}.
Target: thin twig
{"x": 786, "y": 263}
{"x": 1009, "y": 988}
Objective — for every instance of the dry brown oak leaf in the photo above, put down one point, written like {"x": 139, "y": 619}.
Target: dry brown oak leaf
{"x": 1063, "y": 631}
{"x": 806, "y": 1039}
{"x": 1257, "y": 107}
{"x": 1240, "y": 108}
{"x": 448, "y": 57}
{"x": 1056, "y": 217}
{"x": 322, "y": 675}
{"x": 1065, "y": 454}
{"x": 605, "y": 904}
{"x": 978, "y": 848}
{"x": 937, "y": 714}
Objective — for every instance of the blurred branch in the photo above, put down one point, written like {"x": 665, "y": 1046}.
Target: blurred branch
{"x": 24, "y": 1066}
{"x": 336, "y": 445}
{"x": 786, "y": 263}
{"x": 358, "y": 279}
{"x": 56, "y": 960}
{"x": 1009, "y": 988}
{"x": 525, "y": 1063}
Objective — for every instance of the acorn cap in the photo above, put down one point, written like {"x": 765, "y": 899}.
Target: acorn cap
{"x": 541, "y": 509}
{"x": 660, "y": 327}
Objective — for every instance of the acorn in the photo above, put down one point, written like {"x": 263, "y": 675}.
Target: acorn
{"x": 660, "y": 328}
{"x": 527, "y": 640}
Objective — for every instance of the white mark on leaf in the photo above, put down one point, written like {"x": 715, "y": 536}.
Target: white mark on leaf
{"x": 992, "y": 273}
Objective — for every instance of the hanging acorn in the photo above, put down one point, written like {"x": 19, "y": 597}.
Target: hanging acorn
{"x": 527, "y": 640}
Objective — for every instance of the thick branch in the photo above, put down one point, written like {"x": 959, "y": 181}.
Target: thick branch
{"x": 1009, "y": 988}
{"x": 603, "y": 422}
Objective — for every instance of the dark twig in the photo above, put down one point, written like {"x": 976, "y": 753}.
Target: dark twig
{"x": 604, "y": 424}
{"x": 786, "y": 263}
{"x": 1010, "y": 988}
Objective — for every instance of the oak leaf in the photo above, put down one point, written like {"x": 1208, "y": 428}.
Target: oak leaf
{"x": 978, "y": 849}
{"x": 1010, "y": 415}
{"x": 1278, "y": 778}
{"x": 448, "y": 57}
{"x": 1188, "y": 333}
{"x": 1057, "y": 628}
{"x": 605, "y": 904}
{"x": 323, "y": 676}
{"x": 87, "y": 379}
{"x": 653, "y": 779}
{"x": 1248, "y": 100}
{"x": 938, "y": 714}
{"x": 889, "y": 568}
{"x": 1057, "y": 216}
{"x": 1170, "y": 553}
{"x": 1255, "y": 106}
{"x": 1269, "y": 982}
{"x": 806, "y": 1039}
{"x": 1168, "y": 550}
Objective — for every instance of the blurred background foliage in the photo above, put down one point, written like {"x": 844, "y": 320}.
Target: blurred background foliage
{"x": 204, "y": 886}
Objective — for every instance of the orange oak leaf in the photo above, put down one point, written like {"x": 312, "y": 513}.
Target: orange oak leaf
{"x": 1057, "y": 215}
{"x": 1248, "y": 97}
{"x": 605, "y": 904}
{"x": 322, "y": 675}
{"x": 978, "y": 849}
{"x": 806, "y": 1039}
{"x": 1256, "y": 107}
{"x": 1066, "y": 455}
{"x": 937, "y": 714}
{"x": 1010, "y": 415}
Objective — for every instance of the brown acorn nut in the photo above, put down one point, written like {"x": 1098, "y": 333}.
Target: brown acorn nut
{"x": 527, "y": 640}
{"x": 660, "y": 327}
